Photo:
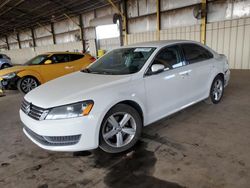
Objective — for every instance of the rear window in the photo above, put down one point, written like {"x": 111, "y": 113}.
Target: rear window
{"x": 195, "y": 53}
{"x": 60, "y": 58}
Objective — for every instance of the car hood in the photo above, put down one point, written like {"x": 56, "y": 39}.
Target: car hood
{"x": 72, "y": 88}
{"x": 11, "y": 70}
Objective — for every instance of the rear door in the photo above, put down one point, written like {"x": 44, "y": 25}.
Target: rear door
{"x": 60, "y": 66}
{"x": 200, "y": 63}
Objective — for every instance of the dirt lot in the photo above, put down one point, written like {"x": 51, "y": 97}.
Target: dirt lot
{"x": 204, "y": 146}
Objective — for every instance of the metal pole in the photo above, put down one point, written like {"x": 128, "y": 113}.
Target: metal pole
{"x": 203, "y": 20}
{"x": 158, "y": 15}
{"x": 7, "y": 42}
{"x": 125, "y": 21}
{"x": 53, "y": 33}
{"x": 18, "y": 40}
{"x": 33, "y": 37}
{"x": 82, "y": 32}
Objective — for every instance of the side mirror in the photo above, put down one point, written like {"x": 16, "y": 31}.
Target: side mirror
{"x": 47, "y": 62}
{"x": 157, "y": 68}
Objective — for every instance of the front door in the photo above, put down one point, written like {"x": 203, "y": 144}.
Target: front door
{"x": 166, "y": 90}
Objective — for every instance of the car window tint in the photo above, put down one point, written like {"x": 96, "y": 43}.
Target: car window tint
{"x": 74, "y": 57}
{"x": 194, "y": 53}
{"x": 60, "y": 58}
{"x": 37, "y": 60}
{"x": 1, "y": 56}
{"x": 122, "y": 61}
{"x": 169, "y": 57}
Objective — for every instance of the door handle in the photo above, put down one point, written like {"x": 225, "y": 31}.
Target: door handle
{"x": 185, "y": 73}
{"x": 69, "y": 67}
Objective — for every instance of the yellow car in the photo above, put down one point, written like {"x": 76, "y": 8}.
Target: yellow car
{"x": 43, "y": 68}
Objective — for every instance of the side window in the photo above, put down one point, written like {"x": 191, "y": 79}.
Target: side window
{"x": 194, "y": 53}
{"x": 60, "y": 58}
{"x": 169, "y": 57}
{"x": 1, "y": 56}
{"x": 74, "y": 57}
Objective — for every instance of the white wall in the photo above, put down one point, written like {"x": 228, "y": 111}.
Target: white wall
{"x": 232, "y": 38}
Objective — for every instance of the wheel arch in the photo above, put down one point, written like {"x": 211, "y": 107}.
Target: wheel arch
{"x": 4, "y": 64}
{"x": 135, "y": 105}
{"x": 32, "y": 74}
{"x": 221, "y": 75}
{"x": 216, "y": 75}
{"x": 211, "y": 81}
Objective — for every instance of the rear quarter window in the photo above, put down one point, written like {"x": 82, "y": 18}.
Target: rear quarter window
{"x": 74, "y": 57}
{"x": 195, "y": 53}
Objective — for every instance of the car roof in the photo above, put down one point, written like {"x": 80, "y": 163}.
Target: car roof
{"x": 60, "y": 52}
{"x": 158, "y": 44}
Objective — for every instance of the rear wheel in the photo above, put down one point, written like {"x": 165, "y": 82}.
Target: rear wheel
{"x": 216, "y": 91}
{"x": 121, "y": 129}
{"x": 26, "y": 84}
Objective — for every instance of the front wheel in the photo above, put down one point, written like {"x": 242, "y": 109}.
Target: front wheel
{"x": 216, "y": 91}
{"x": 121, "y": 129}
{"x": 26, "y": 84}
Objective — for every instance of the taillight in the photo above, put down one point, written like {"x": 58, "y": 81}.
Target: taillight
{"x": 92, "y": 59}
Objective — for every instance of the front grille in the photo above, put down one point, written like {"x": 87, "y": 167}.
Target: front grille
{"x": 53, "y": 140}
{"x": 33, "y": 111}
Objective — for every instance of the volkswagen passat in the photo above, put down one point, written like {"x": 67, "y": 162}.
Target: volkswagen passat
{"x": 108, "y": 103}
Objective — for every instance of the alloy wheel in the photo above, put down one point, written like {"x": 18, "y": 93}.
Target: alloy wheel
{"x": 217, "y": 89}
{"x": 119, "y": 129}
{"x": 28, "y": 84}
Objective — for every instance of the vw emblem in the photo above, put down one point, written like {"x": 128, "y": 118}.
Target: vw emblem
{"x": 27, "y": 109}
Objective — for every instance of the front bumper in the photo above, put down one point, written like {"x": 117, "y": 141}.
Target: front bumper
{"x": 226, "y": 77}
{"x": 55, "y": 135}
{"x": 9, "y": 83}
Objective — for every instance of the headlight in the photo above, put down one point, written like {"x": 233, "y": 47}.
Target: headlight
{"x": 70, "y": 111}
{"x": 9, "y": 76}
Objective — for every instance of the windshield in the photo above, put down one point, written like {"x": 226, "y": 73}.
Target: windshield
{"x": 37, "y": 60}
{"x": 121, "y": 61}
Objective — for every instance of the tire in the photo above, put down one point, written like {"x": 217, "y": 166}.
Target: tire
{"x": 4, "y": 66}
{"x": 117, "y": 135}
{"x": 216, "y": 91}
{"x": 26, "y": 84}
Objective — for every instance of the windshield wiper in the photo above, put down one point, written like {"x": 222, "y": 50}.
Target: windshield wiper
{"x": 96, "y": 72}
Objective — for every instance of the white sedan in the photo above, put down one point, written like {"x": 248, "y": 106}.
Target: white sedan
{"x": 108, "y": 104}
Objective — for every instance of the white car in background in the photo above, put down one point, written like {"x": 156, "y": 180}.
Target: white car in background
{"x": 109, "y": 103}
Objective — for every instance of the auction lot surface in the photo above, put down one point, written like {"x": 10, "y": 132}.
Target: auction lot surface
{"x": 204, "y": 146}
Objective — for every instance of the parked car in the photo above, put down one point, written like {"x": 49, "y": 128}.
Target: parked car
{"x": 5, "y": 61}
{"x": 109, "y": 103}
{"x": 43, "y": 68}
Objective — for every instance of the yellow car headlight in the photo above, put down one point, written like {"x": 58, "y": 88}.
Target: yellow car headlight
{"x": 9, "y": 76}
